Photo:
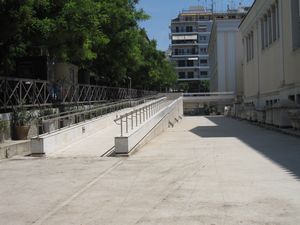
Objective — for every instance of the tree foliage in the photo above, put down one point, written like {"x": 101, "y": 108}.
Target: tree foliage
{"x": 101, "y": 36}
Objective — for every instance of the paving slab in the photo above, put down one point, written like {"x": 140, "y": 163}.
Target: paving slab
{"x": 204, "y": 171}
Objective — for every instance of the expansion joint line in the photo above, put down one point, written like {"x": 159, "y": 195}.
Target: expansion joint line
{"x": 42, "y": 220}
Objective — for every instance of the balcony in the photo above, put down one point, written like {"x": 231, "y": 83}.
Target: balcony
{"x": 185, "y": 37}
{"x": 192, "y": 67}
{"x": 194, "y": 78}
{"x": 185, "y": 56}
{"x": 189, "y": 44}
{"x": 173, "y": 32}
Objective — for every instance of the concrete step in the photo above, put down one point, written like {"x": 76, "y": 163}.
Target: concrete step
{"x": 9, "y": 149}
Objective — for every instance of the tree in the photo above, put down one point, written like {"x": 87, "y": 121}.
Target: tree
{"x": 101, "y": 36}
{"x": 70, "y": 30}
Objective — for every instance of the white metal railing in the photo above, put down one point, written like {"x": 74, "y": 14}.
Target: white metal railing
{"x": 131, "y": 120}
{"x": 57, "y": 121}
{"x": 207, "y": 94}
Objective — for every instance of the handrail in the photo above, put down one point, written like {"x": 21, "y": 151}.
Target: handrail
{"x": 58, "y": 121}
{"x": 207, "y": 94}
{"x": 140, "y": 115}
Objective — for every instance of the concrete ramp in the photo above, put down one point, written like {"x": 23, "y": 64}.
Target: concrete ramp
{"x": 166, "y": 117}
{"x": 91, "y": 138}
{"x": 94, "y": 138}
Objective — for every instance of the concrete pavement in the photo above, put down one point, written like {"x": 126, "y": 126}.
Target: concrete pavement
{"x": 208, "y": 171}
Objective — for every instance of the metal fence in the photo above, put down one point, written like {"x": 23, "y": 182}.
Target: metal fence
{"x": 35, "y": 93}
{"x": 131, "y": 120}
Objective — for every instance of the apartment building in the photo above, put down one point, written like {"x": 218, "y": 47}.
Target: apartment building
{"x": 190, "y": 35}
{"x": 225, "y": 57}
{"x": 271, "y": 55}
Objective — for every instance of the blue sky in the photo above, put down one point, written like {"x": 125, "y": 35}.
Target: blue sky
{"x": 162, "y": 11}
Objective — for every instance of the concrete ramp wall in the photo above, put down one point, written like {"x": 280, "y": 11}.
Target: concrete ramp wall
{"x": 48, "y": 143}
{"x": 165, "y": 118}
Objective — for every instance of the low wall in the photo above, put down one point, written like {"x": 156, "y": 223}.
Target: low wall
{"x": 13, "y": 148}
{"x": 48, "y": 143}
{"x": 166, "y": 117}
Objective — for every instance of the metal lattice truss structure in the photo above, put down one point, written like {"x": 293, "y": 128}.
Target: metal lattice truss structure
{"x": 36, "y": 93}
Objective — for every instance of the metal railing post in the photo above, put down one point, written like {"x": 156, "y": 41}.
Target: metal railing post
{"x": 136, "y": 119}
{"x": 121, "y": 126}
{"x": 140, "y": 116}
{"x": 131, "y": 120}
{"x": 126, "y": 123}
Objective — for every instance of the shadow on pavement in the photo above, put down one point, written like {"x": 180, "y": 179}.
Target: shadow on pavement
{"x": 281, "y": 148}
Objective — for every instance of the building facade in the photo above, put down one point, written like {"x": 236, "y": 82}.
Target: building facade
{"x": 271, "y": 59}
{"x": 190, "y": 33}
{"x": 225, "y": 57}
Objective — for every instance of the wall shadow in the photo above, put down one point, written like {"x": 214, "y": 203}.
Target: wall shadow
{"x": 280, "y": 148}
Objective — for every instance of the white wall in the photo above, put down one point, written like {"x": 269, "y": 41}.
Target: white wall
{"x": 273, "y": 74}
{"x": 225, "y": 47}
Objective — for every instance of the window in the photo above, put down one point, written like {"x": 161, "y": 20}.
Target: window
{"x": 262, "y": 25}
{"x": 296, "y": 23}
{"x": 274, "y": 23}
{"x": 203, "y": 61}
{"x": 176, "y": 51}
{"x": 247, "y": 48}
{"x": 181, "y": 63}
{"x": 177, "y": 29}
{"x": 180, "y": 51}
{"x": 292, "y": 98}
{"x": 190, "y": 75}
{"x": 203, "y": 73}
{"x": 298, "y": 99}
{"x": 250, "y": 46}
{"x": 266, "y": 31}
{"x": 277, "y": 13}
{"x": 203, "y": 50}
{"x": 190, "y": 63}
{"x": 188, "y": 18}
{"x": 181, "y": 75}
{"x": 270, "y": 28}
{"x": 189, "y": 29}
{"x": 202, "y": 38}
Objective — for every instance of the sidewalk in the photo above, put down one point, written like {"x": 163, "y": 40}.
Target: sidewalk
{"x": 203, "y": 171}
